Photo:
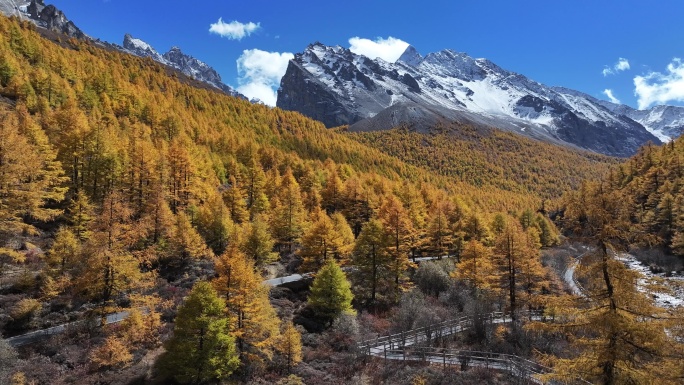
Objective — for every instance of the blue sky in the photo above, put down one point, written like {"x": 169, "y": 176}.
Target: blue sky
{"x": 626, "y": 47}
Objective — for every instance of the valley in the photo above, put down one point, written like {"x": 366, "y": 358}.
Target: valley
{"x": 431, "y": 220}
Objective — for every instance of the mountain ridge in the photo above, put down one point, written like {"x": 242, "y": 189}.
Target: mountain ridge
{"x": 187, "y": 64}
{"x": 53, "y": 19}
{"x": 338, "y": 87}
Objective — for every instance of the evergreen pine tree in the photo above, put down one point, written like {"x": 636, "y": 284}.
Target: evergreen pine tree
{"x": 201, "y": 348}
{"x": 330, "y": 292}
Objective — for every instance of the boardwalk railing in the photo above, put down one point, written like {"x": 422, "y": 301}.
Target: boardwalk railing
{"x": 426, "y": 334}
{"x": 464, "y": 359}
{"x": 413, "y": 345}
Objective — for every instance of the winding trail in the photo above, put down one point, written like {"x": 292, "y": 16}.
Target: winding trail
{"x": 37, "y": 335}
{"x": 569, "y": 274}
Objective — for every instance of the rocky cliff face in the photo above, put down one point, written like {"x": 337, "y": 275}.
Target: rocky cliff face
{"x": 46, "y": 16}
{"x": 193, "y": 67}
{"x": 338, "y": 87}
{"x": 53, "y": 19}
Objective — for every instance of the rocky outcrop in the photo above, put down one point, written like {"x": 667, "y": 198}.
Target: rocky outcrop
{"x": 46, "y": 16}
{"x": 315, "y": 100}
{"x": 55, "y": 20}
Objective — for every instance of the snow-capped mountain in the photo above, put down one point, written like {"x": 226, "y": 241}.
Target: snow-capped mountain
{"x": 338, "y": 87}
{"x": 665, "y": 122}
{"x": 175, "y": 58}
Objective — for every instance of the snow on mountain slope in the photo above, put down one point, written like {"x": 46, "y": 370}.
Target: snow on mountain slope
{"x": 140, "y": 48}
{"x": 338, "y": 87}
{"x": 17, "y": 8}
{"x": 665, "y": 122}
{"x": 175, "y": 58}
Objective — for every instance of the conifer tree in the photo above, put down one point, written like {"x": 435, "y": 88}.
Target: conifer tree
{"x": 311, "y": 189}
{"x": 253, "y": 321}
{"x": 80, "y": 215}
{"x": 516, "y": 259}
{"x": 214, "y": 223}
{"x": 201, "y": 348}
{"x": 332, "y": 191}
{"x": 109, "y": 268}
{"x": 475, "y": 267}
{"x": 438, "y": 229}
{"x": 373, "y": 261}
{"x": 621, "y": 335}
{"x": 234, "y": 199}
{"x": 258, "y": 243}
{"x": 344, "y": 241}
{"x": 72, "y": 132}
{"x": 255, "y": 186}
{"x": 325, "y": 238}
{"x": 476, "y": 229}
{"x": 64, "y": 251}
{"x": 112, "y": 353}
{"x": 355, "y": 203}
{"x": 526, "y": 219}
{"x": 398, "y": 229}
{"x": 290, "y": 345}
{"x": 186, "y": 243}
{"x": 288, "y": 214}
{"x": 330, "y": 292}
{"x": 548, "y": 235}
{"x": 29, "y": 176}
{"x": 157, "y": 219}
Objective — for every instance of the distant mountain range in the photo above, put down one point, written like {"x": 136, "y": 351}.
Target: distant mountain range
{"x": 338, "y": 87}
{"x": 51, "y": 18}
{"x": 175, "y": 58}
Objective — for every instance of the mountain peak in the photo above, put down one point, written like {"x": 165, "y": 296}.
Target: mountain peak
{"x": 411, "y": 56}
{"x": 338, "y": 87}
{"x": 175, "y": 58}
{"x": 48, "y": 17}
{"x": 141, "y": 48}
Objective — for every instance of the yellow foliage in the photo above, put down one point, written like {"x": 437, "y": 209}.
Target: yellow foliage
{"x": 113, "y": 353}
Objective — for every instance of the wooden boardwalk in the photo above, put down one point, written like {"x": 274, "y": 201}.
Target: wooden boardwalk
{"x": 415, "y": 346}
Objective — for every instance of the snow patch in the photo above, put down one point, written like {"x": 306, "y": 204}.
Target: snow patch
{"x": 675, "y": 284}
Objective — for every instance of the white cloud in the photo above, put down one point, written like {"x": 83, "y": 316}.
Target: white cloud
{"x": 233, "y": 30}
{"x": 259, "y": 73}
{"x": 609, "y": 93}
{"x": 389, "y": 49}
{"x": 660, "y": 88}
{"x": 621, "y": 65}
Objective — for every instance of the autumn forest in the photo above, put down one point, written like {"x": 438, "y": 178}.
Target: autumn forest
{"x": 146, "y": 212}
